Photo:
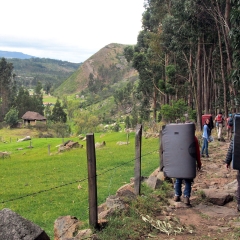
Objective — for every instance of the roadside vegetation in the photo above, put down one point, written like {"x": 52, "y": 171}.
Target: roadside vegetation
{"x": 130, "y": 223}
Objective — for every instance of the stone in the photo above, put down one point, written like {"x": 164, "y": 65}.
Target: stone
{"x": 234, "y": 224}
{"x": 102, "y": 207}
{"x": 216, "y": 211}
{"x": 161, "y": 176}
{"x": 232, "y": 185}
{"x": 155, "y": 173}
{"x": 72, "y": 144}
{"x": 15, "y": 227}
{"x": 114, "y": 202}
{"x": 104, "y": 214}
{"x": 126, "y": 191}
{"x": 218, "y": 196}
{"x": 178, "y": 204}
{"x": 66, "y": 227}
{"x": 83, "y": 234}
{"x": 153, "y": 182}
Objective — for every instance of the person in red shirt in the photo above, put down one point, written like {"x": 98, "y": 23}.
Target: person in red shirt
{"x": 219, "y": 121}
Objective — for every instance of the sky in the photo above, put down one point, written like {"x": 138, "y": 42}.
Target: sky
{"x": 68, "y": 30}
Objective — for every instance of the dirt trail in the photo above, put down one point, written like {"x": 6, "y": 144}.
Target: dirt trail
{"x": 213, "y": 213}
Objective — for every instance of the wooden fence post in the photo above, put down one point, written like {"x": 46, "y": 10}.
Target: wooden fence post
{"x": 48, "y": 149}
{"x": 92, "y": 180}
{"x": 138, "y": 149}
{"x": 160, "y": 151}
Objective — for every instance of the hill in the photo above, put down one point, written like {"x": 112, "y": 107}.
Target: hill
{"x": 105, "y": 68}
{"x": 48, "y": 71}
{"x": 18, "y": 55}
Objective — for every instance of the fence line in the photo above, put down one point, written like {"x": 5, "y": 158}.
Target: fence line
{"x": 92, "y": 175}
{"x": 76, "y": 181}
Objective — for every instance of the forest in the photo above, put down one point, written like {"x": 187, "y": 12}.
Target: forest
{"x": 188, "y": 50}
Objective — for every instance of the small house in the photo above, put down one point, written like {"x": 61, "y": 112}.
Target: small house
{"x": 31, "y": 118}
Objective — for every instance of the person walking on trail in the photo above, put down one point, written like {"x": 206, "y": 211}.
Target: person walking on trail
{"x": 228, "y": 161}
{"x": 210, "y": 125}
{"x": 188, "y": 182}
{"x": 219, "y": 120}
{"x": 229, "y": 126}
{"x": 206, "y": 139}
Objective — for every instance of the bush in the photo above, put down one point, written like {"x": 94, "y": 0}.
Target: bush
{"x": 45, "y": 135}
{"x": 41, "y": 126}
{"x": 11, "y": 117}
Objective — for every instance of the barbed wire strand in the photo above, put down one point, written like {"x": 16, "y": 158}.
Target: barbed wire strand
{"x": 77, "y": 181}
{"x": 42, "y": 191}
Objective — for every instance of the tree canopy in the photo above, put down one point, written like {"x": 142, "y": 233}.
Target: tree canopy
{"x": 185, "y": 51}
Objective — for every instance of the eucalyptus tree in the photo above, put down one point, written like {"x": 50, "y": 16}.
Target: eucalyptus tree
{"x": 235, "y": 43}
{"x": 184, "y": 51}
{"x": 194, "y": 39}
{"x": 220, "y": 13}
{"x": 6, "y": 86}
{"x": 197, "y": 31}
{"x": 148, "y": 62}
{"x": 188, "y": 37}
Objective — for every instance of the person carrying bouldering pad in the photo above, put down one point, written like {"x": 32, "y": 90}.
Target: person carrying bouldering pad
{"x": 188, "y": 182}
{"x": 228, "y": 160}
{"x": 233, "y": 154}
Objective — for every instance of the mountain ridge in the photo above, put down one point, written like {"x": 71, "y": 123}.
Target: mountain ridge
{"x": 19, "y": 55}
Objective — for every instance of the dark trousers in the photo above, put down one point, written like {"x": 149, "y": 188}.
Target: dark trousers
{"x": 238, "y": 188}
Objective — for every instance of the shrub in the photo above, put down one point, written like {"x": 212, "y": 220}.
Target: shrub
{"x": 41, "y": 126}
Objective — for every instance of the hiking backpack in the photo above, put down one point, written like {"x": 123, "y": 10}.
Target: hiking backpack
{"x": 230, "y": 122}
{"x": 219, "y": 118}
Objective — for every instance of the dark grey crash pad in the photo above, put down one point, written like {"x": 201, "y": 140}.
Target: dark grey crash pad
{"x": 15, "y": 227}
{"x": 179, "y": 150}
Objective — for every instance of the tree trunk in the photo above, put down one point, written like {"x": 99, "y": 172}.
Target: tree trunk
{"x": 199, "y": 83}
{"x": 222, "y": 72}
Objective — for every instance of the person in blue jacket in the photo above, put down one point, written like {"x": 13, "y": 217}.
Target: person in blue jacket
{"x": 206, "y": 140}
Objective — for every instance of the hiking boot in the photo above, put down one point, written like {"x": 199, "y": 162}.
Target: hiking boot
{"x": 186, "y": 200}
{"x": 177, "y": 199}
{"x": 207, "y": 156}
{"x": 203, "y": 156}
{"x": 219, "y": 139}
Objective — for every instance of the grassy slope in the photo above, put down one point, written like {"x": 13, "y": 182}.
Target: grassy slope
{"x": 60, "y": 179}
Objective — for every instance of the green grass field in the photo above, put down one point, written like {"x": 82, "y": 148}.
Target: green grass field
{"x": 49, "y": 99}
{"x": 43, "y": 187}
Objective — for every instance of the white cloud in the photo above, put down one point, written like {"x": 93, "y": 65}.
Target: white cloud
{"x": 70, "y": 30}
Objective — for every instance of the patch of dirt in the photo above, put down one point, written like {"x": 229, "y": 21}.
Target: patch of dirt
{"x": 206, "y": 219}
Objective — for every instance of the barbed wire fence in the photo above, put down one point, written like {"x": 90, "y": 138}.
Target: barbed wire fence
{"x": 127, "y": 165}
